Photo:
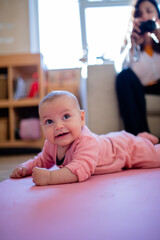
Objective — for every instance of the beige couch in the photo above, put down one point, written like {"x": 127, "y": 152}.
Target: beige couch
{"x": 98, "y": 99}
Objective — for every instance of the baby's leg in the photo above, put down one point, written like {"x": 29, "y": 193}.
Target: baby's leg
{"x": 145, "y": 154}
{"x": 149, "y": 136}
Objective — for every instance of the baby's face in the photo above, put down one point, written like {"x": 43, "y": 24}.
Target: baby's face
{"x": 61, "y": 120}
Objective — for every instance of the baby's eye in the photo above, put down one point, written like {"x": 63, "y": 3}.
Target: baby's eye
{"x": 66, "y": 116}
{"x": 49, "y": 121}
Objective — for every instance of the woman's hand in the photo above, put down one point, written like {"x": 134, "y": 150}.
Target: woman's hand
{"x": 157, "y": 30}
{"x": 136, "y": 37}
{"x": 18, "y": 172}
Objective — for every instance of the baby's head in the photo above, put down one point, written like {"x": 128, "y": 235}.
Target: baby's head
{"x": 50, "y": 97}
{"x": 61, "y": 117}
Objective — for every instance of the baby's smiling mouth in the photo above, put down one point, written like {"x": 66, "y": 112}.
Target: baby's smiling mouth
{"x": 61, "y": 134}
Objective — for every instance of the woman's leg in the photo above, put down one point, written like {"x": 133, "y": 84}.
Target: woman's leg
{"x": 153, "y": 89}
{"x": 132, "y": 104}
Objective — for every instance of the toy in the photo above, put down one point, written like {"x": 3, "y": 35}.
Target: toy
{"x": 34, "y": 86}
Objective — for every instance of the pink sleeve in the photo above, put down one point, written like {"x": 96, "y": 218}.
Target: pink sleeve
{"x": 85, "y": 158}
{"x": 43, "y": 160}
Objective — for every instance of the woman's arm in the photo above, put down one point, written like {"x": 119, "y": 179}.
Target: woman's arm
{"x": 43, "y": 177}
{"x": 133, "y": 39}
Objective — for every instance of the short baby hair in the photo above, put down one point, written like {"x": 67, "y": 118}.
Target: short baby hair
{"x": 56, "y": 94}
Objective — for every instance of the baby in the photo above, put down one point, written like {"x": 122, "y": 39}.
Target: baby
{"x": 77, "y": 151}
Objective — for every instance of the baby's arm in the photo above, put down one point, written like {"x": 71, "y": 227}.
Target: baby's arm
{"x": 18, "y": 172}
{"x": 43, "y": 160}
{"x": 43, "y": 177}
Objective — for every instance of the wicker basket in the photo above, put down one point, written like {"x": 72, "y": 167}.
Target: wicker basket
{"x": 3, "y": 129}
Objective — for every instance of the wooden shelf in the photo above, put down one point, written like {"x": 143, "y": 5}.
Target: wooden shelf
{"x": 24, "y": 66}
{"x": 18, "y": 60}
{"x": 22, "y": 143}
{"x": 19, "y": 103}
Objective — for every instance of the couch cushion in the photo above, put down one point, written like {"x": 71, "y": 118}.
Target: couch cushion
{"x": 153, "y": 104}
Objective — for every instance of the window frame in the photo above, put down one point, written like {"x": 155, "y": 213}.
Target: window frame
{"x": 83, "y": 4}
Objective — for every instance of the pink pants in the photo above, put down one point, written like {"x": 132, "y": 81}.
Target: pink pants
{"x": 142, "y": 151}
{"x": 147, "y": 153}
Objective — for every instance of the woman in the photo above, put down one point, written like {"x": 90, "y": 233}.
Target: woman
{"x": 141, "y": 68}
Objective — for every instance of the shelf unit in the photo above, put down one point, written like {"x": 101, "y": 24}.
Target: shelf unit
{"x": 13, "y": 110}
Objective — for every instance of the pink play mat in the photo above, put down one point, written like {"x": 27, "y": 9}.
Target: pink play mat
{"x": 119, "y": 206}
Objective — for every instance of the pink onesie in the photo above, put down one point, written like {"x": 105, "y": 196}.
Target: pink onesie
{"x": 99, "y": 154}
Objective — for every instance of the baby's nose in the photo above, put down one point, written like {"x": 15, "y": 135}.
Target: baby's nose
{"x": 59, "y": 125}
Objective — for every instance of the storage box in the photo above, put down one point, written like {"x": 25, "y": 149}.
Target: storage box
{"x": 3, "y": 129}
{"x": 30, "y": 129}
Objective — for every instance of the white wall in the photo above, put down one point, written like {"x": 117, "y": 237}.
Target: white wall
{"x": 18, "y": 26}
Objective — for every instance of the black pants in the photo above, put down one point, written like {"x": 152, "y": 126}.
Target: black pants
{"x": 132, "y": 103}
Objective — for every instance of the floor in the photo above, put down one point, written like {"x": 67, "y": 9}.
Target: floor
{"x": 8, "y": 163}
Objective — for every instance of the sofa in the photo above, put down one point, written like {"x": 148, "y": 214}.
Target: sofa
{"x": 99, "y": 100}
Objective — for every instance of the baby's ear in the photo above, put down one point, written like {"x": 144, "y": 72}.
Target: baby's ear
{"x": 82, "y": 118}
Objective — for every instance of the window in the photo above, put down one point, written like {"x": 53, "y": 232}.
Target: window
{"x": 106, "y": 23}
{"x": 60, "y": 35}
{"x": 106, "y": 37}
{"x": 71, "y": 28}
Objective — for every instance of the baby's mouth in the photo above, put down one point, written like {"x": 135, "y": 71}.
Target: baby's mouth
{"x": 61, "y": 135}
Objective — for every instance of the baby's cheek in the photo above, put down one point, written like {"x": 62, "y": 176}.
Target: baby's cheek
{"x": 49, "y": 135}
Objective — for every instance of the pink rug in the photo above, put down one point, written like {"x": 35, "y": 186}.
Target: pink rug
{"x": 119, "y": 206}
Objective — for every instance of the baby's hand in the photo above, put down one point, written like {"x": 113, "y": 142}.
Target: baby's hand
{"x": 19, "y": 172}
{"x": 40, "y": 176}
